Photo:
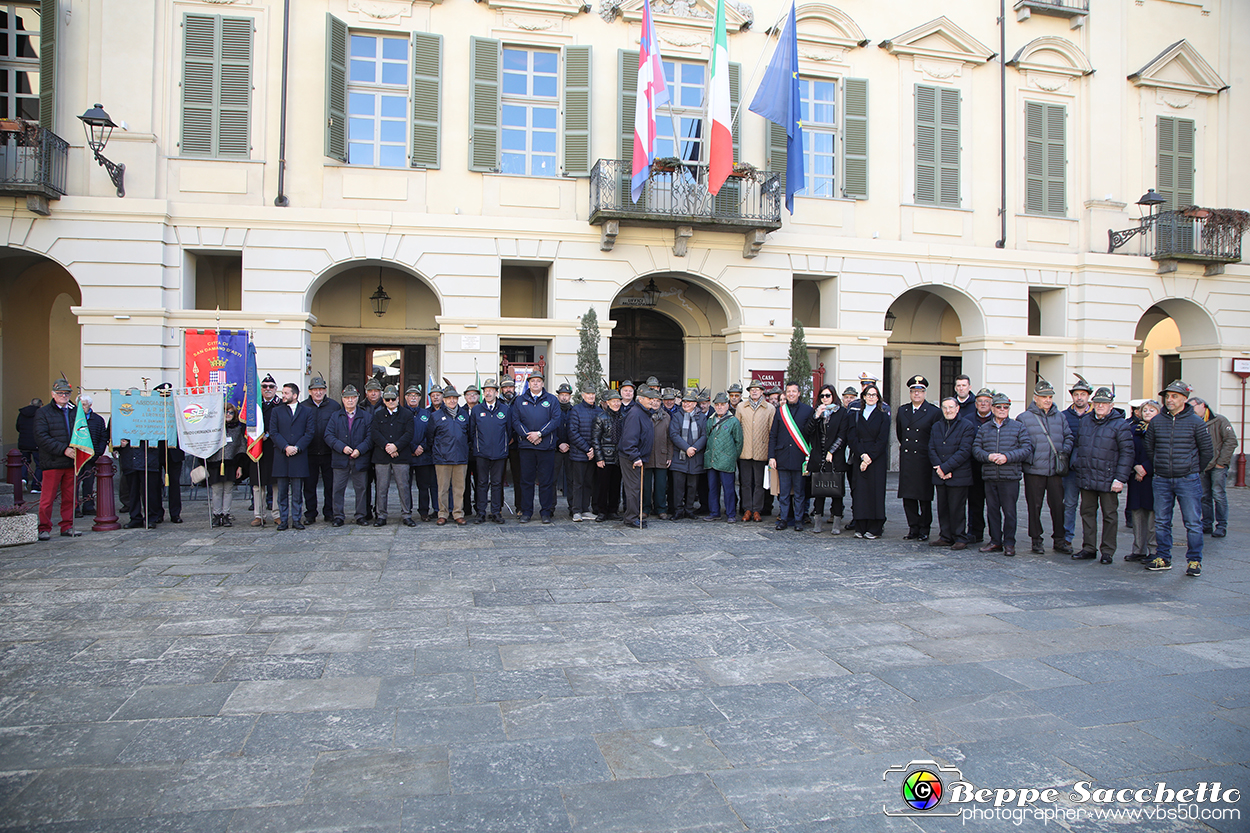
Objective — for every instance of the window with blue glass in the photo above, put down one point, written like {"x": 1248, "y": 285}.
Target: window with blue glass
{"x": 530, "y": 103}
{"x": 684, "y": 112}
{"x": 820, "y": 136}
{"x": 377, "y": 101}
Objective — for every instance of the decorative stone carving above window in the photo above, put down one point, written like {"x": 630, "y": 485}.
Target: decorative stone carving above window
{"x": 942, "y": 40}
{"x": 1181, "y": 69}
{"x": 565, "y": 8}
{"x": 825, "y": 33}
{"x": 694, "y": 14}
{"x": 1054, "y": 55}
{"x": 382, "y": 12}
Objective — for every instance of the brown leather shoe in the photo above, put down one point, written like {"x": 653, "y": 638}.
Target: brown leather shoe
{"x": 442, "y": 522}
{"x": 258, "y": 521}
{"x": 992, "y": 547}
{"x": 959, "y": 545}
{"x": 460, "y": 522}
{"x": 746, "y": 516}
{"x": 755, "y": 516}
{"x": 939, "y": 543}
{"x": 1009, "y": 551}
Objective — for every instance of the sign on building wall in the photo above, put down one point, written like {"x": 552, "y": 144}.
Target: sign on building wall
{"x": 217, "y": 357}
{"x": 769, "y": 378}
{"x": 142, "y": 416}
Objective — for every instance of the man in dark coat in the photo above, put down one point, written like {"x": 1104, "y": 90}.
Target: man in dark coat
{"x": 637, "y": 435}
{"x": 981, "y": 414}
{"x": 912, "y": 427}
{"x": 1080, "y": 394}
{"x": 54, "y": 425}
{"x": 320, "y": 466}
{"x": 535, "y": 419}
{"x": 426, "y": 502}
{"x": 1043, "y": 481}
{"x": 348, "y": 437}
{"x": 788, "y": 451}
{"x": 171, "y": 458}
{"x": 565, "y": 394}
{"x": 950, "y": 455}
{"x": 390, "y": 435}
{"x": 291, "y": 429}
{"x": 1180, "y": 445}
{"x": 687, "y": 431}
{"x": 448, "y": 438}
{"x": 99, "y": 442}
{"x": 1103, "y": 460}
{"x": 963, "y": 395}
{"x": 1002, "y": 445}
{"x": 27, "y": 445}
{"x": 488, "y": 447}
{"x": 577, "y": 433}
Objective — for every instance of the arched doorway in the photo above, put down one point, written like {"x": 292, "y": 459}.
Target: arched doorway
{"x": 924, "y": 340}
{"x": 41, "y": 336}
{"x": 646, "y": 343}
{"x": 1177, "y": 340}
{"x": 351, "y": 343}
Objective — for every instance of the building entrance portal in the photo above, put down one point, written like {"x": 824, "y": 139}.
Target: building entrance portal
{"x": 646, "y": 343}
{"x": 398, "y": 365}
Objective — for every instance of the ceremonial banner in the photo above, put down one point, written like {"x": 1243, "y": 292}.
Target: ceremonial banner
{"x": 201, "y": 419}
{"x": 142, "y": 416}
{"x": 217, "y": 357}
{"x": 251, "y": 413}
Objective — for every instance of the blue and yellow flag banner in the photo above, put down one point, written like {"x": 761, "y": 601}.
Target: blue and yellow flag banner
{"x": 217, "y": 357}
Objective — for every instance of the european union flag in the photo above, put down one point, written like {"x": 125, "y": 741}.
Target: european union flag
{"x": 779, "y": 101}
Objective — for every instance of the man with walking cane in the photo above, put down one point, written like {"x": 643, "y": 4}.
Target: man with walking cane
{"x": 637, "y": 434}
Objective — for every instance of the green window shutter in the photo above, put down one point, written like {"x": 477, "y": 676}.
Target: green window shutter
{"x": 47, "y": 64}
{"x": 855, "y": 138}
{"x": 1046, "y": 158}
{"x": 427, "y": 66}
{"x": 484, "y": 69}
{"x": 777, "y": 160}
{"x": 199, "y": 70}
{"x": 234, "y": 104}
{"x": 735, "y": 88}
{"x": 577, "y": 111}
{"x": 926, "y": 145}
{"x": 336, "y": 88}
{"x": 628, "y": 96}
{"x": 1175, "y": 172}
{"x": 1035, "y": 157}
{"x": 948, "y": 147}
{"x": 1056, "y": 160}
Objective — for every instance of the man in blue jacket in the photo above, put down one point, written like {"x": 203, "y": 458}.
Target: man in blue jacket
{"x": 788, "y": 451}
{"x": 581, "y": 421}
{"x": 390, "y": 429}
{"x": 535, "y": 420}
{"x": 489, "y": 436}
{"x": 1178, "y": 442}
{"x": 633, "y": 451}
{"x": 1103, "y": 459}
{"x": 320, "y": 465}
{"x": 347, "y": 435}
{"x": 448, "y": 437}
{"x": 291, "y": 429}
{"x": 1002, "y": 445}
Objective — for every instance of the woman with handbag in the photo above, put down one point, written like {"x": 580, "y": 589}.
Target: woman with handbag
{"x": 827, "y": 464}
{"x": 869, "y": 438}
{"x": 225, "y": 468}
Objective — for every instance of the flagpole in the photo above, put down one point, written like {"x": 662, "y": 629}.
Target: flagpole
{"x": 775, "y": 30}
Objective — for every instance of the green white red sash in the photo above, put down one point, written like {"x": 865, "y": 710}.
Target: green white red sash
{"x": 795, "y": 434}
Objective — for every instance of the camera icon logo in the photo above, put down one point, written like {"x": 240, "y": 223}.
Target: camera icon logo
{"x": 922, "y": 785}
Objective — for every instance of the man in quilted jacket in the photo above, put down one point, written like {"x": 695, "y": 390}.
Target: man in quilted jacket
{"x": 1103, "y": 460}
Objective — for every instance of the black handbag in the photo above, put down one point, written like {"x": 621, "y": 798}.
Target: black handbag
{"x": 826, "y": 483}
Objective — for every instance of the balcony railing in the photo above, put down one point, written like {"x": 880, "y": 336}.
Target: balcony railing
{"x": 1056, "y": 8}
{"x": 678, "y": 198}
{"x": 1196, "y": 235}
{"x": 32, "y": 160}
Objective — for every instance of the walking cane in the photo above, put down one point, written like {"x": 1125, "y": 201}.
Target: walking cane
{"x": 641, "y": 470}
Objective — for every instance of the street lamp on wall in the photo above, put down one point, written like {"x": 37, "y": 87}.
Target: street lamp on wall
{"x": 99, "y": 127}
{"x": 380, "y": 300}
{"x": 650, "y": 293}
{"x": 890, "y": 318}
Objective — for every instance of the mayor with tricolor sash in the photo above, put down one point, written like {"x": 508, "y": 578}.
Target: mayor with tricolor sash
{"x": 789, "y": 447}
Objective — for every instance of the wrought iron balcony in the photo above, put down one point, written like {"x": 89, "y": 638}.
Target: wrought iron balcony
{"x": 1196, "y": 235}
{"x": 1055, "y": 8}
{"x": 677, "y": 197}
{"x": 32, "y": 162}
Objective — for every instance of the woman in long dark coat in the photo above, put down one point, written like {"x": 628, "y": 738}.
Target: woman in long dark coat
{"x": 1141, "y": 499}
{"x": 869, "y": 436}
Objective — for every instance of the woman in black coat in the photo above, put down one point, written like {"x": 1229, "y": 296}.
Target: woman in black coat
{"x": 829, "y": 452}
{"x": 950, "y": 454}
{"x": 1141, "y": 498}
{"x": 869, "y": 439}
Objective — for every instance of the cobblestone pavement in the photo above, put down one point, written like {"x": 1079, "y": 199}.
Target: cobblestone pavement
{"x": 585, "y": 677}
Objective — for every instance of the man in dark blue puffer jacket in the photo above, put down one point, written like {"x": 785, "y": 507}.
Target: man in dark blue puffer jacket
{"x": 1103, "y": 460}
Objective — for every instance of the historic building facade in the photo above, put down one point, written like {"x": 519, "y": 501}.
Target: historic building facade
{"x": 471, "y": 160}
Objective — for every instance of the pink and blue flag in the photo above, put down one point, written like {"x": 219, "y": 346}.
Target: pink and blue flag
{"x": 652, "y": 93}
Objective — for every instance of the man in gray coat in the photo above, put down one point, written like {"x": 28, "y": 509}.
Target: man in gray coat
{"x": 1043, "y": 480}
{"x": 1215, "y": 475}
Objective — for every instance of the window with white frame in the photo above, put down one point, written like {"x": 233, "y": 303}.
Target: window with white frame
{"x": 19, "y": 62}
{"x": 377, "y": 100}
{"x": 529, "y": 110}
{"x": 820, "y": 136}
{"x": 684, "y": 112}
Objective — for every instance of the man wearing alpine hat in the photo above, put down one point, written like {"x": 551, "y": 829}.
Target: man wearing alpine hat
{"x": 535, "y": 420}
{"x": 1002, "y": 445}
{"x": 1178, "y": 442}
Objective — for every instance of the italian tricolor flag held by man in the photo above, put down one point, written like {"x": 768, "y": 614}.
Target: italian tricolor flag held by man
{"x": 721, "y": 143}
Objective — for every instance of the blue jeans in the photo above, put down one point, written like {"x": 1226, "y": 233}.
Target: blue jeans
{"x": 716, "y": 481}
{"x": 1215, "y": 500}
{"x": 790, "y": 507}
{"x": 1071, "y": 501}
{"x": 290, "y": 499}
{"x": 1187, "y": 491}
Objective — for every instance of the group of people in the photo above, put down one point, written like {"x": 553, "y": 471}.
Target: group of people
{"x": 673, "y": 456}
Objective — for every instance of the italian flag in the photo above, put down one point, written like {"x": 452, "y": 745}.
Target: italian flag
{"x": 721, "y": 144}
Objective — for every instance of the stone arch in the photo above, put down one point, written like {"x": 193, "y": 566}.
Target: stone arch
{"x": 1192, "y": 339}
{"x": 1052, "y": 54}
{"x": 339, "y": 267}
{"x": 971, "y": 316}
{"x": 829, "y": 23}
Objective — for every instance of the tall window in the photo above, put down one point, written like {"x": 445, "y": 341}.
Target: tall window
{"x": 937, "y": 146}
{"x": 377, "y": 101}
{"x": 19, "y": 62}
{"x": 820, "y": 134}
{"x": 686, "y": 83}
{"x": 529, "y": 103}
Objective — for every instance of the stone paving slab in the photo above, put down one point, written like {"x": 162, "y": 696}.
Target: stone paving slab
{"x": 584, "y": 677}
